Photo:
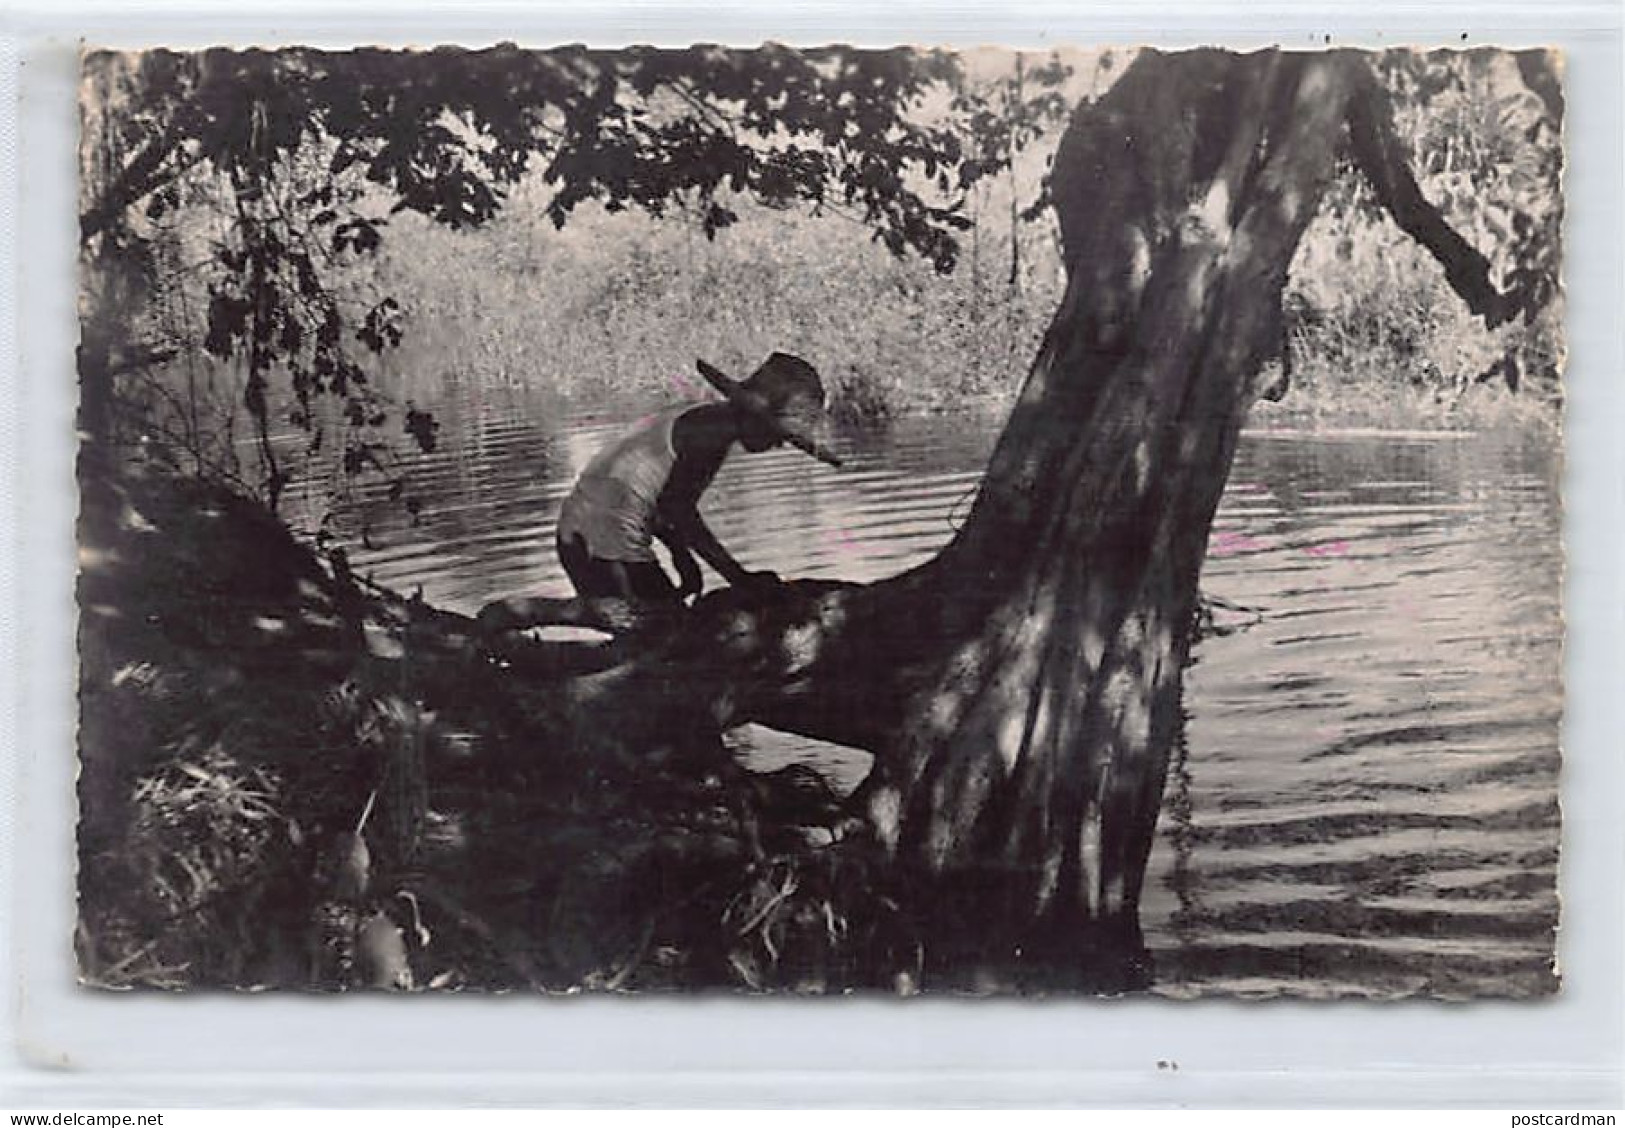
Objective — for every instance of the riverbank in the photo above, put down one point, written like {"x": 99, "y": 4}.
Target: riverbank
{"x": 615, "y": 307}
{"x": 1365, "y": 405}
{"x": 1320, "y": 405}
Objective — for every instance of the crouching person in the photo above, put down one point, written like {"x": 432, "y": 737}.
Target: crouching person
{"x": 647, "y": 485}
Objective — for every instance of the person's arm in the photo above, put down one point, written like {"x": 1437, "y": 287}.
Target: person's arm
{"x": 701, "y": 439}
{"x": 684, "y": 521}
{"x": 690, "y": 581}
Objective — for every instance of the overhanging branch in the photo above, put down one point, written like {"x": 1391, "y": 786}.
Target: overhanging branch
{"x": 1381, "y": 155}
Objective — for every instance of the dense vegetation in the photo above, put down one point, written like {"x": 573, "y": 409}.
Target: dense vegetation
{"x": 616, "y": 304}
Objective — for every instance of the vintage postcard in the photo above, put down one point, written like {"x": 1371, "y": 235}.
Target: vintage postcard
{"x": 821, "y": 520}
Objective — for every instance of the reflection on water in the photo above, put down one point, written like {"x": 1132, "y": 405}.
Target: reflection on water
{"x": 1365, "y": 798}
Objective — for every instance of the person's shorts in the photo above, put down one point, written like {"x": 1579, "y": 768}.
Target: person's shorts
{"x": 594, "y": 577}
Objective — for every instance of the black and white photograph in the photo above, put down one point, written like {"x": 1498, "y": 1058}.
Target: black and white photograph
{"x": 1079, "y": 521}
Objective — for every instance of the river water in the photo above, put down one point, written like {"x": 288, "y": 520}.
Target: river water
{"x": 1365, "y": 802}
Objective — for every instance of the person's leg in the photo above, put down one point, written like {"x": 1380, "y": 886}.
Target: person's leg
{"x": 591, "y": 577}
{"x": 648, "y": 582}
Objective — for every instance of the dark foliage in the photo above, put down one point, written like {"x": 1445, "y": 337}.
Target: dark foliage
{"x": 313, "y": 152}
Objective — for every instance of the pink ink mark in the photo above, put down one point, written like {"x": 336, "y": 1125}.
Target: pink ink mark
{"x": 1229, "y": 543}
{"x": 686, "y": 385}
{"x": 1330, "y": 548}
{"x": 842, "y": 543}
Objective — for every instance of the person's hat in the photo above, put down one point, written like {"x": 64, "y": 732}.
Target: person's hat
{"x": 786, "y": 393}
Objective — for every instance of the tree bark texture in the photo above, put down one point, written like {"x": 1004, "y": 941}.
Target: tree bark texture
{"x": 1025, "y": 787}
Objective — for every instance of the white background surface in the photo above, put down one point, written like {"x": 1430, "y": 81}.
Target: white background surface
{"x": 67, "y": 1048}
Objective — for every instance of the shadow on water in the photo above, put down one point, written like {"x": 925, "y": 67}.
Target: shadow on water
{"x": 1363, "y": 800}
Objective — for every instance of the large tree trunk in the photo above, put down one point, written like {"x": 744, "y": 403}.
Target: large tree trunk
{"x": 1025, "y": 787}
{"x": 1021, "y": 691}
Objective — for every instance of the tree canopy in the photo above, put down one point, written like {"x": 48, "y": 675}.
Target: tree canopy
{"x": 313, "y": 151}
